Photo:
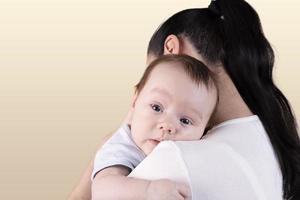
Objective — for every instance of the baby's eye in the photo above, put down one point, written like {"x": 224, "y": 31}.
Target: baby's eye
{"x": 156, "y": 108}
{"x": 186, "y": 121}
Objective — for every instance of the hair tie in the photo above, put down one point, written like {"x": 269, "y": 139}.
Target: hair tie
{"x": 214, "y": 8}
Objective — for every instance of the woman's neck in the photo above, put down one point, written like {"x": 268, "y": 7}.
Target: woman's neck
{"x": 230, "y": 105}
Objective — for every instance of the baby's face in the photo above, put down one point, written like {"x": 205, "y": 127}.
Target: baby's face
{"x": 170, "y": 107}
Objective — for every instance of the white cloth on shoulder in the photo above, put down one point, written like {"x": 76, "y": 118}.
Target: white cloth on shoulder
{"x": 235, "y": 160}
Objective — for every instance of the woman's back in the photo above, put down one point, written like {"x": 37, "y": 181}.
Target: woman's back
{"x": 234, "y": 161}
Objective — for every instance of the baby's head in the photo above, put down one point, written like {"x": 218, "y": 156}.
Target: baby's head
{"x": 174, "y": 100}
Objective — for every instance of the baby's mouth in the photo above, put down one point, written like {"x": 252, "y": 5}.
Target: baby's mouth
{"x": 153, "y": 141}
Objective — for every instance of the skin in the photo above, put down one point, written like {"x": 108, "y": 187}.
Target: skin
{"x": 229, "y": 106}
{"x": 160, "y": 111}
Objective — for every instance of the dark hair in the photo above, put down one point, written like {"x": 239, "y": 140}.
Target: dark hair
{"x": 230, "y": 33}
{"x": 194, "y": 68}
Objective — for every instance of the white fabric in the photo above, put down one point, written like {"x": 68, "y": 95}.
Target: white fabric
{"x": 120, "y": 149}
{"x": 235, "y": 160}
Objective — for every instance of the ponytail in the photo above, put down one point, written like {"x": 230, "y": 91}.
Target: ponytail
{"x": 249, "y": 61}
{"x": 229, "y": 31}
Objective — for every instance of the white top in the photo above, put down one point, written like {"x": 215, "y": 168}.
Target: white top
{"x": 120, "y": 149}
{"x": 235, "y": 160}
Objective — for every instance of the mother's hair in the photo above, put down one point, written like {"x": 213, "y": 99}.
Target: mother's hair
{"x": 229, "y": 32}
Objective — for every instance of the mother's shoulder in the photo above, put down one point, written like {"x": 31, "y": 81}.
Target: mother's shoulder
{"x": 204, "y": 148}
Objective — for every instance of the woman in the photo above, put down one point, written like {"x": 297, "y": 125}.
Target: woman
{"x": 253, "y": 120}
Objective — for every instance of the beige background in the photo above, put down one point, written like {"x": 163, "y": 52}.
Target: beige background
{"x": 67, "y": 70}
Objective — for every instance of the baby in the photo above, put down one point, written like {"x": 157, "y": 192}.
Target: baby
{"x": 174, "y": 100}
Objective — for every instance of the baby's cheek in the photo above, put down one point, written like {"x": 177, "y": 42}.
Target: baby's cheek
{"x": 148, "y": 147}
{"x": 193, "y": 134}
{"x": 136, "y": 139}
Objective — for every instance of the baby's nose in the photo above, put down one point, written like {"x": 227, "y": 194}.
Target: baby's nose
{"x": 167, "y": 128}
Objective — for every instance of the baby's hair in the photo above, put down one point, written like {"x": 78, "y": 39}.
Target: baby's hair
{"x": 195, "y": 69}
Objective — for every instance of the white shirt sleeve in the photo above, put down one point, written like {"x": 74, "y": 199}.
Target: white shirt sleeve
{"x": 211, "y": 170}
{"x": 120, "y": 149}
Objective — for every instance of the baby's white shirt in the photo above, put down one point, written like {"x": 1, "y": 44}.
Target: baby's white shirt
{"x": 120, "y": 149}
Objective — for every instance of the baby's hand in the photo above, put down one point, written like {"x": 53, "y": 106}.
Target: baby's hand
{"x": 165, "y": 189}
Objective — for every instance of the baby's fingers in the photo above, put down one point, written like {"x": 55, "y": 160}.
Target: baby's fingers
{"x": 183, "y": 190}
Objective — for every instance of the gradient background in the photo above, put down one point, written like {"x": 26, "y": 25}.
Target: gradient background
{"x": 67, "y": 71}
